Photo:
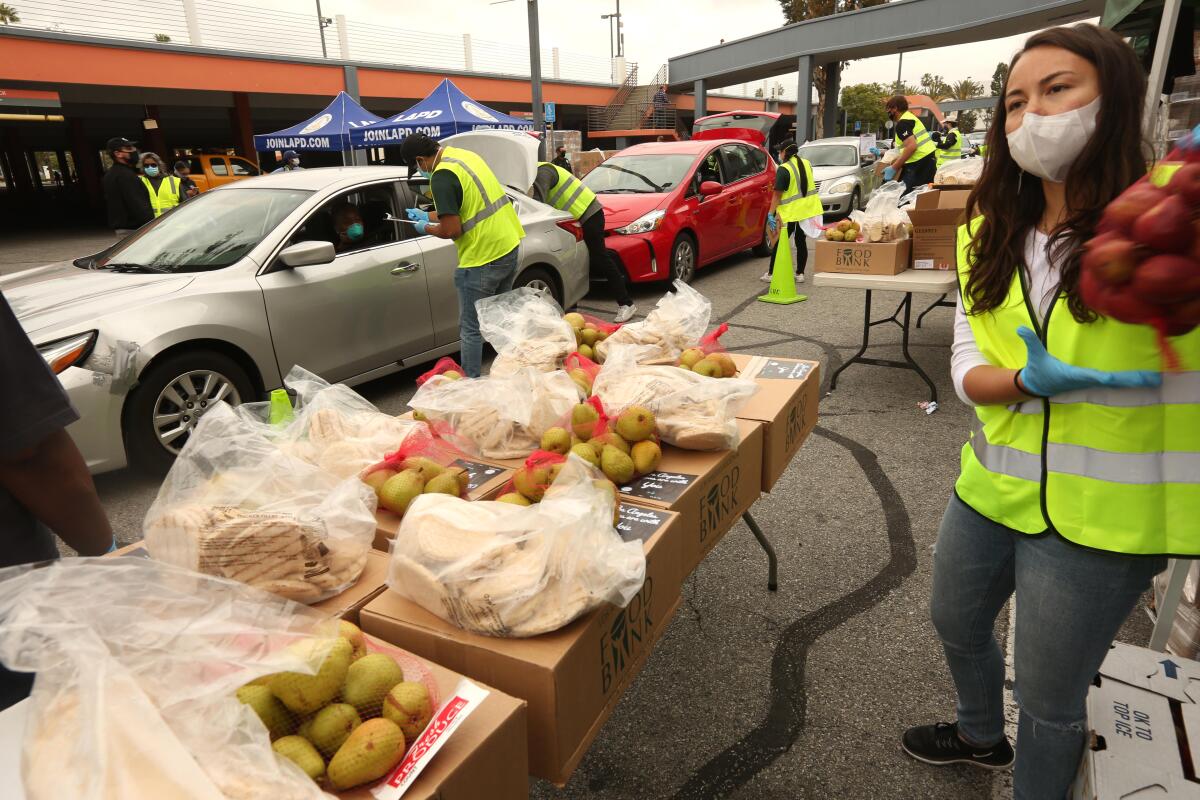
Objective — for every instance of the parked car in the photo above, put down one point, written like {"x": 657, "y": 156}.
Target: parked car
{"x": 220, "y": 297}
{"x": 972, "y": 141}
{"x": 774, "y": 127}
{"x": 211, "y": 171}
{"x": 844, "y": 178}
{"x": 673, "y": 207}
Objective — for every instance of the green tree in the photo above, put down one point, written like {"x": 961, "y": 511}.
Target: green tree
{"x": 863, "y": 102}
{"x": 966, "y": 89}
{"x": 801, "y": 10}
{"x": 161, "y": 37}
{"x": 8, "y": 14}
{"x": 998, "y": 79}
{"x": 935, "y": 88}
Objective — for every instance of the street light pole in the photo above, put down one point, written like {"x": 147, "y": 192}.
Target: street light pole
{"x": 899, "y": 69}
{"x": 535, "y": 77}
{"x": 321, "y": 27}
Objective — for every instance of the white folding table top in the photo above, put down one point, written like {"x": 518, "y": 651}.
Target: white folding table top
{"x": 921, "y": 281}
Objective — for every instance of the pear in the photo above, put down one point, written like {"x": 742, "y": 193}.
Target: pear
{"x": 583, "y": 420}
{"x": 408, "y": 705}
{"x": 531, "y": 482}
{"x": 590, "y": 337}
{"x": 368, "y": 681}
{"x": 708, "y": 368}
{"x": 556, "y": 440}
{"x": 304, "y": 694}
{"x": 609, "y": 486}
{"x": 618, "y": 466}
{"x": 400, "y": 490}
{"x": 728, "y": 368}
{"x": 575, "y": 320}
{"x": 463, "y": 478}
{"x": 445, "y": 483}
{"x": 690, "y": 356}
{"x": 582, "y": 379}
{"x": 611, "y": 438}
{"x": 419, "y": 416}
{"x": 635, "y": 424}
{"x": 587, "y": 453}
{"x": 585, "y": 349}
{"x": 268, "y": 708}
{"x": 427, "y": 467}
{"x": 305, "y": 728}
{"x": 378, "y": 478}
{"x": 646, "y": 456}
{"x": 370, "y": 752}
{"x": 300, "y": 752}
{"x": 514, "y": 498}
{"x": 331, "y": 726}
{"x": 452, "y": 375}
{"x": 351, "y": 633}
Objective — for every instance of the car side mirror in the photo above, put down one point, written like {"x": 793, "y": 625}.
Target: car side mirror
{"x": 866, "y": 161}
{"x": 307, "y": 254}
{"x": 709, "y": 188}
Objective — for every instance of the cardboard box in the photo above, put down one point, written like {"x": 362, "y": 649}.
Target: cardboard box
{"x": 571, "y": 678}
{"x": 1144, "y": 728}
{"x": 789, "y": 391}
{"x": 863, "y": 258}
{"x": 935, "y": 220}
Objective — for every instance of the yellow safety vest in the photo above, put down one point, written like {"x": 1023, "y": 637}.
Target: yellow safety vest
{"x": 568, "y": 193}
{"x": 925, "y": 144}
{"x": 490, "y": 228}
{"x": 167, "y": 196}
{"x": 794, "y": 206}
{"x": 1112, "y": 469}
{"x": 953, "y": 153}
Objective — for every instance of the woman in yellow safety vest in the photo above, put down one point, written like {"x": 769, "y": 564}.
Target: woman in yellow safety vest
{"x": 164, "y": 188}
{"x": 1082, "y": 468}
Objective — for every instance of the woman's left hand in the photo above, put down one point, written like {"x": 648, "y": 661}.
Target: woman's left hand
{"x": 1045, "y": 376}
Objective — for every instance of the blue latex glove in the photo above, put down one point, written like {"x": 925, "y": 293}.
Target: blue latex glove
{"x": 888, "y": 173}
{"x": 113, "y": 548}
{"x": 417, "y": 215}
{"x": 1046, "y": 376}
{"x": 771, "y": 223}
{"x": 875, "y": 152}
{"x": 421, "y": 225}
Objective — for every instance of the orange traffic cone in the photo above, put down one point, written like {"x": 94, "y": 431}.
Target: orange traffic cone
{"x": 783, "y": 277}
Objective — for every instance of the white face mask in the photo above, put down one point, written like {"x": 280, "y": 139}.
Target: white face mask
{"x": 1048, "y": 146}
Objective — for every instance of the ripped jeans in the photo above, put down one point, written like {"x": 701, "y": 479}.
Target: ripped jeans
{"x": 1070, "y": 604}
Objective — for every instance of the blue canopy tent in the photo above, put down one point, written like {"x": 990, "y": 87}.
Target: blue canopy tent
{"x": 445, "y": 112}
{"x": 329, "y": 130}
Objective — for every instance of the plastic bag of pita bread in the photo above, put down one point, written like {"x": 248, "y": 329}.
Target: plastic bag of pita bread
{"x": 138, "y": 664}
{"x": 445, "y": 367}
{"x": 237, "y": 506}
{"x": 691, "y": 411}
{"x": 527, "y": 329}
{"x": 513, "y": 571}
{"x": 675, "y": 323}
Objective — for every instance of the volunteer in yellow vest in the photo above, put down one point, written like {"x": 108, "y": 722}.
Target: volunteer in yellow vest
{"x": 1082, "y": 468}
{"x": 472, "y": 210}
{"x": 794, "y": 202}
{"x": 556, "y": 186}
{"x": 165, "y": 190}
{"x": 917, "y": 162}
{"x": 949, "y": 143}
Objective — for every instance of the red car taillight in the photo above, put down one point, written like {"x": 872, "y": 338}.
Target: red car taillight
{"x": 572, "y": 227}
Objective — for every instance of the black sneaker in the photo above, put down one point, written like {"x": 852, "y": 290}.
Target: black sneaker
{"x": 939, "y": 745}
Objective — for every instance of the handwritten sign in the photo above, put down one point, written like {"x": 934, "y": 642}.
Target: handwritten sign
{"x": 639, "y": 523}
{"x": 666, "y": 487}
{"x": 477, "y": 474}
{"x": 785, "y": 370}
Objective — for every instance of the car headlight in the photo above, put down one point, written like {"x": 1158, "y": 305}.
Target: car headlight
{"x": 645, "y": 223}
{"x": 841, "y": 187}
{"x": 69, "y": 352}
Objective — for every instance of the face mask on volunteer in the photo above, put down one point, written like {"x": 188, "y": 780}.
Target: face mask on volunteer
{"x": 150, "y": 170}
{"x": 1047, "y": 146}
{"x": 354, "y": 231}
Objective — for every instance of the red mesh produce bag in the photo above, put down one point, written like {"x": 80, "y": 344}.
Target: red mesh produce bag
{"x": 535, "y": 476}
{"x": 607, "y": 328}
{"x": 582, "y": 370}
{"x": 709, "y": 349}
{"x": 444, "y": 364}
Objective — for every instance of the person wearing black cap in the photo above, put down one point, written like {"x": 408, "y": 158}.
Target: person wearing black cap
{"x": 125, "y": 197}
{"x": 291, "y": 161}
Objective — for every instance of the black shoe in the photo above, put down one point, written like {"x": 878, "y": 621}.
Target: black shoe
{"x": 939, "y": 745}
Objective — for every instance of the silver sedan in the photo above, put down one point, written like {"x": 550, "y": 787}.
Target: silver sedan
{"x": 219, "y": 298}
{"x": 844, "y": 179}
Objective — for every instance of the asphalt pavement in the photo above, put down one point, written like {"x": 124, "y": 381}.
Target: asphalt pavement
{"x": 803, "y": 692}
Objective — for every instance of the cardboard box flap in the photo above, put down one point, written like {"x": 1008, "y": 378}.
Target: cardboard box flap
{"x": 1134, "y": 725}
{"x": 1177, "y": 678}
{"x": 941, "y": 199}
{"x": 1191, "y": 729}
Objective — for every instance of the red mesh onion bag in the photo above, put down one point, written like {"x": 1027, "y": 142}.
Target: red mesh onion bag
{"x": 708, "y": 356}
{"x": 444, "y": 364}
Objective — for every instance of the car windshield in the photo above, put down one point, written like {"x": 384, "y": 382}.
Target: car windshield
{"x": 208, "y": 232}
{"x": 830, "y": 155}
{"x": 640, "y": 174}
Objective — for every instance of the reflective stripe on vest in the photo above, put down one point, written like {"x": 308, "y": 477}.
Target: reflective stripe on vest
{"x": 795, "y": 206}
{"x": 162, "y": 201}
{"x": 568, "y": 193}
{"x": 925, "y": 144}
{"x": 952, "y": 153}
{"x": 1113, "y": 469}
{"x": 490, "y": 228}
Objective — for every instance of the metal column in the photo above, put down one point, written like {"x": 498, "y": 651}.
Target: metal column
{"x": 350, "y": 81}
{"x": 701, "y": 99}
{"x": 535, "y": 77}
{"x": 833, "y": 75}
{"x": 804, "y": 99}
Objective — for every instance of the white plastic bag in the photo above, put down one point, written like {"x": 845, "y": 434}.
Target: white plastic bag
{"x": 882, "y": 220}
{"x": 677, "y": 320}
{"x": 236, "y": 506}
{"x": 527, "y": 329}
{"x": 137, "y": 667}
{"x": 504, "y": 570}
{"x": 691, "y": 411}
{"x": 959, "y": 172}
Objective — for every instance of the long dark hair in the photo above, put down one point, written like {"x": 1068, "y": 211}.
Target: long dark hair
{"x": 1012, "y": 206}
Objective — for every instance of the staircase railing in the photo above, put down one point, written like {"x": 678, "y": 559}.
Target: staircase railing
{"x": 601, "y": 117}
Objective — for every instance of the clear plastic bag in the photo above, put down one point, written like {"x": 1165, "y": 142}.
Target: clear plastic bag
{"x": 237, "y": 506}
{"x": 527, "y": 329}
{"x": 963, "y": 171}
{"x": 882, "y": 220}
{"x": 691, "y": 411}
{"x": 444, "y": 365}
{"x": 676, "y": 321}
{"x": 582, "y": 370}
{"x": 709, "y": 348}
{"x": 506, "y": 570}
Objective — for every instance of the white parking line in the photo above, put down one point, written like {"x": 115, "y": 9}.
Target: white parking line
{"x": 1002, "y": 782}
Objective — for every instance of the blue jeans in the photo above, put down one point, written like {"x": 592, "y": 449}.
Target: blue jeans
{"x": 1070, "y": 604}
{"x": 474, "y": 284}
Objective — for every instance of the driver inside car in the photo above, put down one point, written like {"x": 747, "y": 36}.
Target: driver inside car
{"x": 348, "y": 226}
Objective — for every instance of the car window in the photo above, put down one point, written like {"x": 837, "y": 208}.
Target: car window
{"x": 218, "y": 166}
{"x": 242, "y": 168}
{"x": 831, "y": 155}
{"x": 368, "y": 207}
{"x": 645, "y": 173}
{"x": 195, "y": 166}
{"x": 709, "y": 169}
{"x": 738, "y": 162}
{"x": 760, "y": 160}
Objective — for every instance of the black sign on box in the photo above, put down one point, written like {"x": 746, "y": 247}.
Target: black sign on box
{"x": 666, "y": 487}
{"x": 639, "y": 523}
{"x": 477, "y": 474}
{"x": 785, "y": 370}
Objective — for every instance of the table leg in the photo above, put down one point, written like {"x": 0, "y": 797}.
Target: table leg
{"x": 865, "y": 342}
{"x": 907, "y": 356}
{"x": 941, "y": 301}
{"x": 772, "y": 562}
{"x": 1177, "y": 570}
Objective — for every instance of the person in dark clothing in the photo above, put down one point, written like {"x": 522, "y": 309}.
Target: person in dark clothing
{"x": 560, "y": 158}
{"x": 917, "y": 157}
{"x": 661, "y": 101}
{"x": 187, "y": 186}
{"x": 44, "y": 482}
{"x": 125, "y": 197}
{"x": 291, "y": 161}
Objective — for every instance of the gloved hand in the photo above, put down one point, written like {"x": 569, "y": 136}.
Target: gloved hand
{"x": 421, "y": 225}
{"x": 417, "y": 215}
{"x": 875, "y": 151}
{"x": 771, "y": 222}
{"x": 1045, "y": 376}
{"x": 889, "y": 173}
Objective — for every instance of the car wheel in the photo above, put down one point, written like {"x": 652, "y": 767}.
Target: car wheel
{"x": 683, "y": 259}
{"x": 539, "y": 278}
{"x": 763, "y": 248}
{"x": 856, "y": 200}
{"x": 170, "y": 399}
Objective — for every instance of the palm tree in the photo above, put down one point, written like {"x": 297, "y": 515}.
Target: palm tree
{"x": 8, "y": 14}
{"x": 966, "y": 89}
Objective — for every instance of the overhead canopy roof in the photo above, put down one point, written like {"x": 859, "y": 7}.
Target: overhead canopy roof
{"x": 328, "y": 130}
{"x": 447, "y": 110}
{"x": 877, "y": 31}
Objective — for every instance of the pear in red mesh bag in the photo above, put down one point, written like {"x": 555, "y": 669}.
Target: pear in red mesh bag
{"x": 446, "y": 367}
{"x": 708, "y": 357}
{"x": 583, "y": 370}
{"x": 424, "y": 464}
{"x": 589, "y": 331}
